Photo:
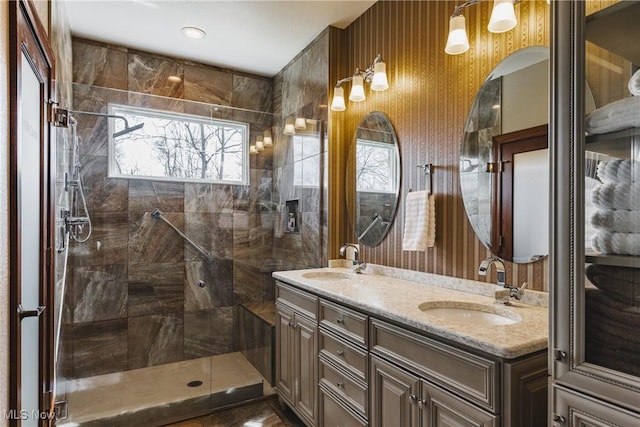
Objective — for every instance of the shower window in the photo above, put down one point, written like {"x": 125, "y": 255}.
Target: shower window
{"x": 176, "y": 147}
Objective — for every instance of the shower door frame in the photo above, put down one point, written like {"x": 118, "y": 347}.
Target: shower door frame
{"x": 28, "y": 38}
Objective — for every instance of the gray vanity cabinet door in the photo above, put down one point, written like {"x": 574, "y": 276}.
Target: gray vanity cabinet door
{"x": 442, "y": 409}
{"x": 306, "y": 349}
{"x": 285, "y": 367}
{"x": 576, "y": 409}
{"x": 394, "y": 396}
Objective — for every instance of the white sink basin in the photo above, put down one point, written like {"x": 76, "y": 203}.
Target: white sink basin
{"x": 327, "y": 275}
{"x": 470, "y": 313}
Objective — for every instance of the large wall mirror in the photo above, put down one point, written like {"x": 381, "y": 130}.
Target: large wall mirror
{"x": 373, "y": 178}
{"x": 504, "y": 160}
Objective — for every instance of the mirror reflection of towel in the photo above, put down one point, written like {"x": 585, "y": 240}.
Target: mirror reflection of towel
{"x": 419, "y": 221}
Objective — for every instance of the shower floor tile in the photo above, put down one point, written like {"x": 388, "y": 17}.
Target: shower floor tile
{"x": 128, "y": 392}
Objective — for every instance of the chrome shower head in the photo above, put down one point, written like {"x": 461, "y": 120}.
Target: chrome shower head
{"x": 127, "y": 129}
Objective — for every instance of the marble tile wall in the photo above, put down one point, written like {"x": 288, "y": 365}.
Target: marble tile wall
{"x": 136, "y": 294}
{"x": 299, "y": 164}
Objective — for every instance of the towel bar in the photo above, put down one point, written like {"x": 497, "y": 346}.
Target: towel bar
{"x": 428, "y": 172}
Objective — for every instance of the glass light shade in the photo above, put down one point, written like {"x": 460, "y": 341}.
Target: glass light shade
{"x": 267, "y": 141}
{"x": 337, "y": 104}
{"x": 288, "y": 127}
{"x": 457, "y": 42}
{"x": 379, "y": 81}
{"x": 259, "y": 146}
{"x": 300, "y": 123}
{"x": 253, "y": 150}
{"x": 357, "y": 89}
{"x": 503, "y": 17}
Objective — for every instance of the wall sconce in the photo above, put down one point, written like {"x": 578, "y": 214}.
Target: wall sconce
{"x": 253, "y": 150}
{"x": 267, "y": 141}
{"x": 503, "y": 18}
{"x": 259, "y": 143}
{"x": 289, "y": 128}
{"x": 376, "y": 74}
{"x": 300, "y": 123}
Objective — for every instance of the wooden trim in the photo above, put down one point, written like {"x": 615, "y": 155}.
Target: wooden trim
{"x": 28, "y": 36}
{"x": 506, "y": 146}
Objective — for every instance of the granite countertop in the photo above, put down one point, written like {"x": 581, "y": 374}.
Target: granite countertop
{"x": 398, "y": 299}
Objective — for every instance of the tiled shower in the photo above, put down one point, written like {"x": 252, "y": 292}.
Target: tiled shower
{"x": 137, "y": 295}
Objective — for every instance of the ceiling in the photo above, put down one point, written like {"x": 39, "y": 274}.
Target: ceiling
{"x": 254, "y": 36}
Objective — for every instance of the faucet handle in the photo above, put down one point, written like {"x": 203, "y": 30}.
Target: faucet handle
{"x": 518, "y": 292}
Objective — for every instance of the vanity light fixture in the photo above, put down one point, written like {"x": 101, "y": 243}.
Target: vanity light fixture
{"x": 259, "y": 143}
{"x": 193, "y": 32}
{"x": 300, "y": 123}
{"x": 253, "y": 150}
{"x": 375, "y": 74}
{"x": 503, "y": 18}
{"x": 289, "y": 128}
{"x": 267, "y": 141}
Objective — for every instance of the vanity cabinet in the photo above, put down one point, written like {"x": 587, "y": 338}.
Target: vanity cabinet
{"x": 297, "y": 351}
{"x": 595, "y": 356}
{"x": 338, "y": 366}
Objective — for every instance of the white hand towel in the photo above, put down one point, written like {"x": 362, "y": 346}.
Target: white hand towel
{"x": 616, "y": 243}
{"x": 616, "y": 220}
{"x": 619, "y": 171}
{"x": 618, "y": 115}
{"x": 419, "y": 221}
{"x": 616, "y": 196}
{"x": 634, "y": 83}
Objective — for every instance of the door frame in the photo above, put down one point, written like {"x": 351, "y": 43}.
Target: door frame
{"x": 27, "y": 35}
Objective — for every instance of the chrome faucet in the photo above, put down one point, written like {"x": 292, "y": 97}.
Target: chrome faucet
{"x": 500, "y": 270}
{"x": 359, "y": 265}
{"x": 502, "y": 296}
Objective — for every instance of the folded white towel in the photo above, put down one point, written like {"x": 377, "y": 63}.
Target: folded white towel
{"x": 616, "y": 243}
{"x": 619, "y": 171}
{"x": 616, "y": 220}
{"x": 616, "y": 196}
{"x": 419, "y": 221}
{"x": 618, "y": 115}
{"x": 634, "y": 83}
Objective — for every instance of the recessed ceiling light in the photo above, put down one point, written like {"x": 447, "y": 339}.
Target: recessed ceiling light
{"x": 193, "y": 32}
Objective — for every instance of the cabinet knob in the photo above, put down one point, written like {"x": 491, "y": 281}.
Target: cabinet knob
{"x": 413, "y": 399}
{"x": 340, "y": 384}
{"x": 340, "y": 353}
{"x": 340, "y": 321}
{"x": 558, "y": 419}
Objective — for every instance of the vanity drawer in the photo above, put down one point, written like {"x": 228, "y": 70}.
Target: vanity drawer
{"x": 345, "y": 322}
{"x": 466, "y": 374}
{"x": 334, "y": 413}
{"x": 352, "y": 391}
{"x": 345, "y": 354}
{"x": 302, "y": 301}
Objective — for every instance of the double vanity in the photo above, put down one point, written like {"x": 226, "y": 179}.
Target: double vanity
{"x": 392, "y": 347}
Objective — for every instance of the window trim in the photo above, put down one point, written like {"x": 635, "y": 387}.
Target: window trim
{"x": 114, "y": 108}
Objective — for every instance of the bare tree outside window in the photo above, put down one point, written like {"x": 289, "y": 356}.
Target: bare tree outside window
{"x": 374, "y": 166}
{"x": 180, "y": 147}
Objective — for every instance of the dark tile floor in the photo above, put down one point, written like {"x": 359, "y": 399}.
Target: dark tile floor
{"x": 266, "y": 413}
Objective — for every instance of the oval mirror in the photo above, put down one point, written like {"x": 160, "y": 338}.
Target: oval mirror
{"x": 504, "y": 161}
{"x": 373, "y": 174}
{"x": 504, "y": 168}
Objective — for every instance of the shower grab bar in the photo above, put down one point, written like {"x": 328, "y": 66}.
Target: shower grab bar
{"x": 157, "y": 214}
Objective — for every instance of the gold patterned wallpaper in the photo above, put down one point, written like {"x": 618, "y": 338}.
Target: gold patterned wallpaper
{"x": 428, "y": 100}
